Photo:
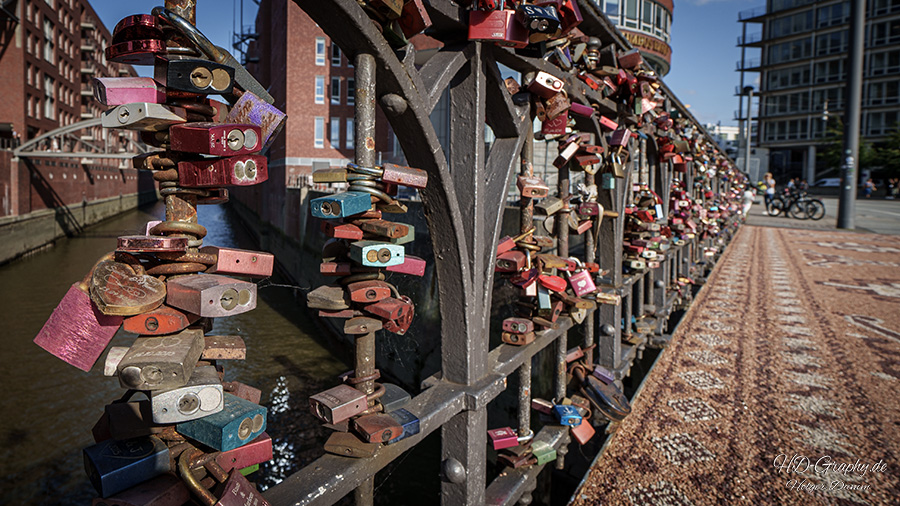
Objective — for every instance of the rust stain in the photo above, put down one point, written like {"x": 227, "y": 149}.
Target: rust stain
{"x": 370, "y": 143}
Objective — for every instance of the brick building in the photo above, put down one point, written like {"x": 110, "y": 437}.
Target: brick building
{"x": 49, "y": 52}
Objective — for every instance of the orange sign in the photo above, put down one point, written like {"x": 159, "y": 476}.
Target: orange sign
{"x": 644, "y": 41}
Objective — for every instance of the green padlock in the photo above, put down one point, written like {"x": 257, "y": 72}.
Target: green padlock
{"x": 543, "y": 452}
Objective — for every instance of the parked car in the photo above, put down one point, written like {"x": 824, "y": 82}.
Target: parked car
{"x": 828, "y": 182}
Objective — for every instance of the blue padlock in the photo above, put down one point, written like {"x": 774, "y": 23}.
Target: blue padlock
{"x": 340, "y": 205}
{"x": 567, "y": 415}
{"x": 114, "y": 466}
{"x": 237, "y": 424}
{"x": 408, "y": 421}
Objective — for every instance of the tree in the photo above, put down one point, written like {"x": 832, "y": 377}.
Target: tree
{"x": 889, "y": 155}
{"x": 832, "y": 152}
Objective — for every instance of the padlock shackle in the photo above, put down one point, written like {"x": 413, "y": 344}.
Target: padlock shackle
{"x": 191, "y": 33}
{"x": 85, "y": 282}
{"x": 190, "y": 459}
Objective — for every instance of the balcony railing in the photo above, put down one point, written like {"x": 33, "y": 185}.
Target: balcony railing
{"x": 752, "y": 13}
{"x": 749, "y": 64}
{"x": 752, "y": 38}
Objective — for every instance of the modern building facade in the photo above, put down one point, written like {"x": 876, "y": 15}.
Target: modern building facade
{"x": 799, "y": 51}
{"x": 646, "y": 24}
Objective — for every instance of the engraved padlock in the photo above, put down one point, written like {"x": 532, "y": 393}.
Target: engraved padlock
{"x": 157, "y": 363}
{"x": 581, "y": 280}
{"x": 143, "y": 116}
{"x": 193, "y": 75}
{"x": 77, "y": 332}
{"x": 340, "y": 205}
{"x": 161, "y": 321}
{"x": 337, "y": 404}
{"x": 120, "y": 289}
{"x": 253, "y": 110}
{"x": 253, "y": 453}
{"x": 113, "y": 466}
{"x": 216, "y": 139}
{"x": 376, "y": 428}
{"x": 376, "y": 253}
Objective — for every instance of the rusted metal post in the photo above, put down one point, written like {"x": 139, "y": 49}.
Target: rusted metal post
{"x": 364, "y": 495}
{"x": 562, "y": 344}
{"x": 589, "y": 256}
{"x": 526, "y": 222}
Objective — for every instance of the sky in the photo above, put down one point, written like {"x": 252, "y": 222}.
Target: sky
{"x": 703, "y": 39}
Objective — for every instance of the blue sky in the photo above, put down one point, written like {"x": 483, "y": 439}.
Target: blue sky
{"x": 704, "y": 51}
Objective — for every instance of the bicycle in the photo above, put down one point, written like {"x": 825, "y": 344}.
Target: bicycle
{"x": 812, "y": 208}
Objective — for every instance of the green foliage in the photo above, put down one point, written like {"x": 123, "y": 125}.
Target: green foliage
{"x": 832, "y": 151}
{"x": 889, "y": 155}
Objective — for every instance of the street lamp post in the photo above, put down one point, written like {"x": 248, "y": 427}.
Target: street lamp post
{"x": 748, "y": 90}
{"x": 847, "y": 204}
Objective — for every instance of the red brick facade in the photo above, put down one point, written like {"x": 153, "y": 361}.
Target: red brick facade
{"x": 47, "y": 62}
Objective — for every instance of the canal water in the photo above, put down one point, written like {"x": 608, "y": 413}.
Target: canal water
{"x": 49, "y": 406}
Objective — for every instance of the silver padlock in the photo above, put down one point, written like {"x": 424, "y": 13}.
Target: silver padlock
{"x": 203, "y": 395}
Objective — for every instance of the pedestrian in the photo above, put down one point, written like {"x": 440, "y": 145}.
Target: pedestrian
{"x": 891, "y": 186}
{"x": 804, "y": 186}
{"x": 748, "y": 197}
{"x": 770, "y": 191}
{"x": 896, "y": 191}
{"x": 792, "y": 184}
{"x": 870, "y": 187}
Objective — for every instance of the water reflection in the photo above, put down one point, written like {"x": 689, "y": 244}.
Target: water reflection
{"x": 50, "y": 406}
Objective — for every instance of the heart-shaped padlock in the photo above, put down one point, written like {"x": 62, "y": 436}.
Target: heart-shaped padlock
{"x": 117, "y": 289}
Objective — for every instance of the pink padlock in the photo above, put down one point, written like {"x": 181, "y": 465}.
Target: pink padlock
{"x": 581, "y": 281}
{"x": 581, "y": 109}
{"x": 414, "y": 266}
{"x": 113, "y": 91}
{"x": 503, "y": 438}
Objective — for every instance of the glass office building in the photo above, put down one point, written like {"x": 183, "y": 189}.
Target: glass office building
{"x": 799, "y": 50}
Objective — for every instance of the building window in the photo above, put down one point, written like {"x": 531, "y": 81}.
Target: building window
{"x": 319, "y": 134}
{"x": 350, "y": 135}
{"x": 833, "y": 15}
{"x": 320, "y": 50}
{"x": 30, "y": 106}
{"x": 335, "y": 55}
{"x": 320, "y": 89}
{"x": 885, "y": 63}
{"x": 789, "y": 51}
{"x": 28, "y": 44}
{"x": 883, "y": 93}
{"x": 791, "y": 77}
{"x": 351, "y": 91}
{"x": 612, "y": 10}
{"x": 49, "y": 54}
{"x": 28, "y": 71}
{"x": 631, "y": 13}
{"x": 336, "y": 90}
{"x": 336, "y": 133}
{"x": 830, "y": 71}
{"x": 887, "y": 32}
{"x": 882, "y": 122}
{"x": 835, "y": 42}
{"x": 881, "y": 7}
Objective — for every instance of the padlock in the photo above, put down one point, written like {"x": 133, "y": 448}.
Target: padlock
{"x": 574, "y": 354}
{"x": 411, "y": 265}
{"x": 136, "y": 52}
{"x": 114, "y": 466}
{"x": 193, "y": 75}
{"x": 518, "y": 325}
{"x": 347, "y": 445}
{"x": 337, "y": 404}
{"x": 224, "y": 348}
{"x": 341, "y": 231}
{"x": 376, "y": 428}
{"x": 553, "y": 283}
{"x": 542, "y": 452}
{"x": 137, "y": 26}
{"x": 404, "y": 176}
{"x": 498, "y": 26}
{"x": 556, "y": 105}
{"x": 630, "y": 59}
{"x": 383, "y": 228}
{"x": 360, "y": 325}
{"x": 414, "y": 19}
{"x": 549, "y": 261}
{"x": 409, "y": 237}
{"x": 211, "y": 295}
{"x": 330, "y": 175}
{"x": 253, "y": 453}
{"x": 246, "y": 392}
{"x": 556, "y": 127}
{"x": 370, "y": 291}
{"x": 117, "y": 289}
{"x": 240, "y": 262}
{"x": 408, "y": 422}
{"x": 238, "y": 423}
{"x": 126, "y": 418}
{"x": 161, "y": 321}
{"x": 545, "y": 85}
{"x": 201, "y": 396}
{"x": 163, "y": 490}
{"x": 585, "y": 111}
{"x": 567, "y": 11}
{"x": 503, "y": 438}
{"x": 113, "y": 357}
{"x": 511, "y": 261}
{"x": 216, "y": 139}
{"x": 253, "y": 110}
{"x": 565, "y": 155}
{"x": 340, "y": 205}
{"x": 151, "y": 244}
{"x": 235, "y": 490}
{"x": 113, "y": 91}
{"x": 143, "y": 116}
{"x": 77, "y": 332}
{"x": 532, "y": 187}
{"x": 517, "y": 339}
{"x": 538, "y": 19}
{"x": 590, "y": 209}
{"x": 582, "y": 282}
{"x": 567, "y": 415}
{"x": 330, "y": 298}
{"x": 548, "y": 206}
{"x": 389, "y": 308}
{"x": 159, "y": 363}
{"x": 376, "y": 253}
{"x": 607, "y": 398}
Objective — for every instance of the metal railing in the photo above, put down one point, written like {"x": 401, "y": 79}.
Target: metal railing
{"x": 464, "y": 206}
{"x": 751, "y": 13}
{"x": 752, "y": 38}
